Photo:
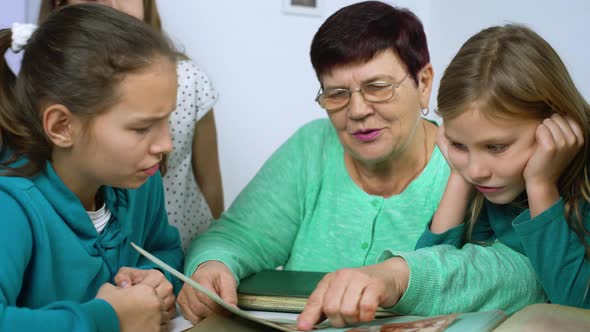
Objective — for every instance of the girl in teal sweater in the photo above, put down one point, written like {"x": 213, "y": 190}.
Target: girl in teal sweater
{"x": 83, "y": 128}
{"x": 516, "y": 134}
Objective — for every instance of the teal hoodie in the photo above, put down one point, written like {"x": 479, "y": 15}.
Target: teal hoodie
{"x": 556, "y": 252}
{"x": 52, "y": 260}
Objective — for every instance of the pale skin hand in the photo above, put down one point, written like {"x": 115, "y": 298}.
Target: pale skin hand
{"x": 205, "y": 162}
{"x": 215, "y": 276}
{"x": 559, "y": 139}
{"x": 455, "y": 199}
{"x": 138, "y": 307}
{"x": 350, "y": 296}
{"x": 127, "y": 277}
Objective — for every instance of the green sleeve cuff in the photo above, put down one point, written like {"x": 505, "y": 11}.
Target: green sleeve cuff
{"x": 524, "y": 225}
{"x": 418, "y": 298}
{"x": 227, "y": 259}
{"x": 103, "y": 315}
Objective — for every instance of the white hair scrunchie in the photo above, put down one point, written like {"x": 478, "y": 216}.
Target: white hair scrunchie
{"x": 20, "y": 35}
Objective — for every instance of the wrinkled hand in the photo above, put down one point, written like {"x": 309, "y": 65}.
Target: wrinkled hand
{"x": 127, "y": 277}
{"x": 559, "y": 139}
{"x": 350, "y": 296}
{"x": 138, "y": 307}
{"x": 216, "y": 277}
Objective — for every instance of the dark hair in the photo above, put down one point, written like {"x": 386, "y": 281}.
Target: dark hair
{"x": 76, "y": 58}
{"x": 356, "y": 33}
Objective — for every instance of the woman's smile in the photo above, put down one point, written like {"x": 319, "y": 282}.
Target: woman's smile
{"x": 367, "y": 135}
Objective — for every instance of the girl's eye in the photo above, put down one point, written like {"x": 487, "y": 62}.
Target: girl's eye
{"x": 141, "y": 130}
{"x": 458, "y": 146}
{"x": 497, "y": 148}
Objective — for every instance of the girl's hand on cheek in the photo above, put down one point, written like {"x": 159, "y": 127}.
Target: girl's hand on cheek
{"x": 559, "y": 139}
{"x": 443, "y": 143}
{"x": 444, "y": 146}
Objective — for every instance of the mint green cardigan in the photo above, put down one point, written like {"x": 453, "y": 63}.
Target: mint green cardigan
{"x": 303, "y": 211}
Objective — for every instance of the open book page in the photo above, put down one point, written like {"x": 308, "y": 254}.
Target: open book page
{"x": 435, "y": 324}
{"x": 395, "y": 324}
{"x": 477, "y": 321}
{"x": 233, "y": 309}
{"x": 481, "y": 322}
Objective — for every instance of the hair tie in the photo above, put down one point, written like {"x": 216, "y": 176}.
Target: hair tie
{"x": 20, "y": 35}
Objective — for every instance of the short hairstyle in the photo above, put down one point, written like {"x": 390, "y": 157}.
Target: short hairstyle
{"x": 357, "y": 33}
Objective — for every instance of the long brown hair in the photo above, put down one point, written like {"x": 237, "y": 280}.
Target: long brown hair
{"x": 514, "y": 71}
{"x": 69, "y": 61}
{"x": 151, "y": 16}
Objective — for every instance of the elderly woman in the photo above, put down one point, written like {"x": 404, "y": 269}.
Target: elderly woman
{"x": 343, "y": 191}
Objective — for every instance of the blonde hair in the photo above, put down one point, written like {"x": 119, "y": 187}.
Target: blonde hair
{"x": 513, "y": 71}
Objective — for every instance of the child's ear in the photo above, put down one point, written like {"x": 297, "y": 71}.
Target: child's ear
{"x": 58, "y": 125}
{"x": 425, "y": 78}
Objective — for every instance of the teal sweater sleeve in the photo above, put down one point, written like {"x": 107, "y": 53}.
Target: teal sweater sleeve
{"x": 258, "y": 230}
{"x": 162, "y": 240}
{"x": 482, "y": 232}
{"x": 15, "y": 253}
{"x": 557, "y": 254}
{"x": 452, "y": 237}
{"x": 445, "y": 279}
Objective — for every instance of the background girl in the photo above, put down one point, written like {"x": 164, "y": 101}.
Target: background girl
{"x": 83, "y": 129}
{"x": 516, "y": 133}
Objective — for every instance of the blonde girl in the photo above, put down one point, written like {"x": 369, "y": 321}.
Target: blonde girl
{"x": 516, "y": 134}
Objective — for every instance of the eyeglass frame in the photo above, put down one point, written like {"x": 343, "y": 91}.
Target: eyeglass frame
{"x": 394, "y": 85}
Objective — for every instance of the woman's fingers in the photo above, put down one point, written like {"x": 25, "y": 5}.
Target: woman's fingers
{"x": 186, "y": 304}
{"x": 351, "y": 298}
{"x": 346, "y": 296}
{"x": 314, "y": 307}
{"x": 369, "y": 302}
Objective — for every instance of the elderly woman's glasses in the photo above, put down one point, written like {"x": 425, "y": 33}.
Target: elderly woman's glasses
{"x": 374, "y": 92}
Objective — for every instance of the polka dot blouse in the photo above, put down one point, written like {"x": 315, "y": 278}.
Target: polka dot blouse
{"x": 186, "y": 205}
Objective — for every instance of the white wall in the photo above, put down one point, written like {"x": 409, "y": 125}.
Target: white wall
{"x": 564, "y": 24}
{"x": 256, "y": 58}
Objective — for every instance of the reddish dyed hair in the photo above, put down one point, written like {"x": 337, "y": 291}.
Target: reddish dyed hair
{"x": 356, "y": 33}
